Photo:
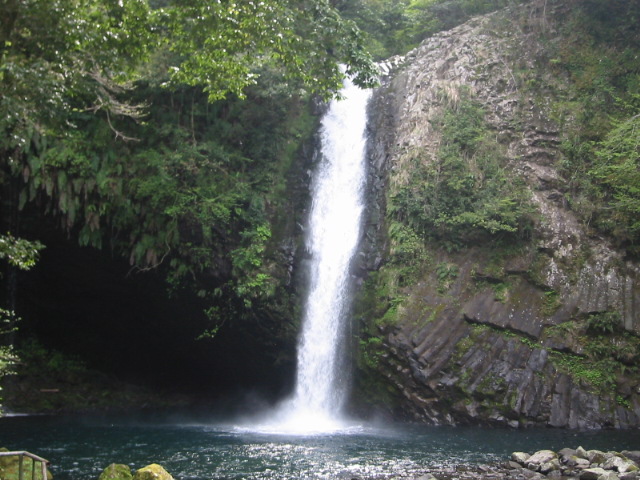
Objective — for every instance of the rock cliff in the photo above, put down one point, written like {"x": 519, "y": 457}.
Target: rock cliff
{"x": 536, "y": 329}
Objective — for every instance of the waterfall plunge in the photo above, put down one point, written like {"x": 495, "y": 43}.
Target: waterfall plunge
{"x": 334, "y": 230}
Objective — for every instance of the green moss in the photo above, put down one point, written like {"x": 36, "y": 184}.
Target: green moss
{"x": 152, "y": 472}
{"x": 604, "y": 322}
{"x": 116, "y": 472}
{"x": 446, "y": 274}
{"x": 599, "y": 374}
{"x": 370, "y": 352}
{"x": 462, "y": 347}
{"x": 550, "y": 303}
{"x": 466, "y": 194}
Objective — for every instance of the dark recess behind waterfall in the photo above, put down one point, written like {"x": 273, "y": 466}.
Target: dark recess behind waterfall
{"x": 90, "y": 303}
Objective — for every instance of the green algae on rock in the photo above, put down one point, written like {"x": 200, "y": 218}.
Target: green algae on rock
{"x": 152, "y": 472}
{"x": 116, "y": 471}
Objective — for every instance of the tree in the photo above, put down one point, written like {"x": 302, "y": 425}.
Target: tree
{"x": 22, "y": 254}
{"x": 221, "y": 44}
{"x": 104, "y": 123}
{"x": 67, "y": 73}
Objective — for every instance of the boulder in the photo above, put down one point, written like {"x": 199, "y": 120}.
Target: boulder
{"x": 633, "y": 455}
{"x": 609, "y": 476}
{"x": 592, "y": 473}
{"x": 520, "y": 457}
{"x": 535, "y": 461}
{"x": 619, "y": 464}
{"x": 581, "y": 453}
{"x": 116, "y": 471}
{"x": 566, "y": 454}
{"x": 629, "y": 476}
{"x": 582, "y": 463}
{"x": 531, "y": 475}
{"x": 551, "y": 466}
{"x": 152, "y": 472}
{"x": 596, "y": 456}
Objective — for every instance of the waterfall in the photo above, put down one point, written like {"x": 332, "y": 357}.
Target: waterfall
{"x": 332, "y": 237}
{"x": 334, "y": 230}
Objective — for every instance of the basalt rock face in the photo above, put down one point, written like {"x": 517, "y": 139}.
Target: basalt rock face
{"x": 502, "y": 341}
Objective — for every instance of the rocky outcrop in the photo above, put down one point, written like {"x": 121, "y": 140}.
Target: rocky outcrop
{"x": 505, "y": 337}
{"x": 573, "y": 464}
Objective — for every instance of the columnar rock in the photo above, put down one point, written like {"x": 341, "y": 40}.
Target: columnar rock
{"x": 480, "y": 340}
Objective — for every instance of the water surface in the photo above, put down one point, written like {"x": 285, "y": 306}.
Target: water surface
{"x": 80, "y": 447}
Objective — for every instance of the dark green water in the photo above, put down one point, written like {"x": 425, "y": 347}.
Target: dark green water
{"x": 81, "y": 447}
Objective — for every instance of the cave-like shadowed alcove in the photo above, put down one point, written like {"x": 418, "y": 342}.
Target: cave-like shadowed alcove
{"x": 88, "y": 303}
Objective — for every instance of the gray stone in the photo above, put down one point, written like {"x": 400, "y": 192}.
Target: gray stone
{"x": 550, "y": 466}
{"x": 531, "y": 475}
{"x": 520, "y": 457}
{"x": 582, "y": 463}
{"x": 609, "y": 476}
{"x": 581, "y": 453}
{"x": 633, "y": 455}
{"x": 629, "y": 476}
{"x": 566, "y": 453}
{"x": 596, "y": 456}
{"x": 619, "y": 464}
{"x": 592, "y": 473}
{"x": 542, "y": 456}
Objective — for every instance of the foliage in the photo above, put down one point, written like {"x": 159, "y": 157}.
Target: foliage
{"x": 600, "y": 374}
{"x": 550, "y": 303}
{"x": 370, "y": 352}
{"x": 164, "y": 129}
{"x": 598, "y": 114}
{"x": 465, "y": 194}
{"x": 19, "y": 252}
{"x": 221, "y": 45}
{"x": 604, "y": 322}
{"x": 394, "y": 27}
{"x": 605, "y": 350}
{"x": 22, "y": 254}
{"x": 617, "y": 170}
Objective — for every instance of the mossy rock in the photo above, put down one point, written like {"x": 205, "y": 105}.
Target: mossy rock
{"x": 152, "y": 472}
{"x": 10, "y": 468}
{"x": 116, "y": 471}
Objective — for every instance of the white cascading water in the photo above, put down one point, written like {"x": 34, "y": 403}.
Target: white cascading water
{"x": 334, "y": 230}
